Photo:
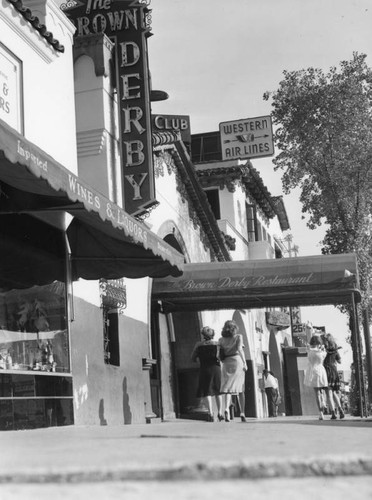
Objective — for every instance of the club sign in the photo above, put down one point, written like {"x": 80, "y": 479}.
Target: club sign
{"x": 127, "y": 24}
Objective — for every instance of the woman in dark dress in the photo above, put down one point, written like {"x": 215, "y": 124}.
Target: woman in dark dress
{"x": 330, "y": 364}
{"x": 210, "y": 371}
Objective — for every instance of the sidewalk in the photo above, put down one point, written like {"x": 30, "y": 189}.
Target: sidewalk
{"x": 285, "y": 447}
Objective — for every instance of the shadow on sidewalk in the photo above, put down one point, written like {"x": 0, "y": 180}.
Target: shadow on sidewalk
{"x": 347, "y": 422}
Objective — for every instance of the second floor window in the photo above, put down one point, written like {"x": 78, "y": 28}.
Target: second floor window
{"x": 214, "y": 201}
{"x": 252, "y": 229}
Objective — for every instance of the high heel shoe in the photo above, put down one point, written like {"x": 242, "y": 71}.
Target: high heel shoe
{"x": 220, "y": 417}
{"x": 242, "y": 418}
{"x": 333, "y": 416}
{"x": 227, "y": 416}
{"x": 342, "y": 414}
{"x": 210, "y": 418}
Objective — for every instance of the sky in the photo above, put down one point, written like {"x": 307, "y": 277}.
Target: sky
{"x": 216, "y": 58}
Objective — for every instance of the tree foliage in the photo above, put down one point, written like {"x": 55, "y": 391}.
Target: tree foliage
{"x": 324, "y": 135}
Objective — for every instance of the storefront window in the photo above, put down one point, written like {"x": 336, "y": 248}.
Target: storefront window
{"x": 33, "y": 333}
{"x": 11, "y": 94}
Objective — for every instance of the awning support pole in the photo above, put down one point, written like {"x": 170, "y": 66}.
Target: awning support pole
{"x": 367, "y": 341}
{"x": 357, "y": 358}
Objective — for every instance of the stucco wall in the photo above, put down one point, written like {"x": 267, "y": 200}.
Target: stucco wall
{"x": 232, "y": 207}
{"x": 97, "y": 130}
{"x": 167, "y": 376}
{"x": 48, "y": 92}
{"x": 105, "y": 394}
{"x": 173, "y": 214}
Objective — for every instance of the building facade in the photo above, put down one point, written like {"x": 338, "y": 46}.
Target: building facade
{"x": 33, "y": 246}
{"x": 83, "y": 338}
{"x": 65, "y": 247}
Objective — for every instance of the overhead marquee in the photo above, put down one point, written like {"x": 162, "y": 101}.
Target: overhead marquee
{"x": 313, "y": 280}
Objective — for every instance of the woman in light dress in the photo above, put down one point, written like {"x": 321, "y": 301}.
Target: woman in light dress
{"x": 233, "y": 366}
{"x": 315, "y": 373}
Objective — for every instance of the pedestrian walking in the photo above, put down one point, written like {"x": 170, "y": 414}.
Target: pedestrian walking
{"x": 271, "y": 390}
{"x": 315, "y": 373}
{"x": 233, "y": 367}
{"x": 209, "y": 383}
{"x": 334, "y": 384}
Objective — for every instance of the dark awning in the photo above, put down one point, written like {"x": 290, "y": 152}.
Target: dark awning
{"x": 105, "y": 241}
{"x": 315, "y": 280}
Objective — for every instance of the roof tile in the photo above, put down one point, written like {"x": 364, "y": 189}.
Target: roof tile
{"x": 35, "y": 22}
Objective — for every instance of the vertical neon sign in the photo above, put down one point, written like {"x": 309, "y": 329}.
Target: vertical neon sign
{"x": 126, "y": 23}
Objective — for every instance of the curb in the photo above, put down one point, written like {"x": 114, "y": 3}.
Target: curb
{"x": 294, "y": 468}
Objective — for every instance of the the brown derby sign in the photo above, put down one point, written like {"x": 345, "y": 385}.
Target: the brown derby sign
{"x": 245, "y": 282}
{"x": 127, "y": 24}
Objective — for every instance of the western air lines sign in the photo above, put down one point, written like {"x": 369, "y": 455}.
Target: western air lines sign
{"x": 249, "y": 138}
{"x": 126, "y": 23}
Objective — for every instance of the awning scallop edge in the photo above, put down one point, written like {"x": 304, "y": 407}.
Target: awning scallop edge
{"x": 29, "y": 169}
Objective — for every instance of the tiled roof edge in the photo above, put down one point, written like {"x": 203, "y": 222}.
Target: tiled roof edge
{"x": 35, "y": 22}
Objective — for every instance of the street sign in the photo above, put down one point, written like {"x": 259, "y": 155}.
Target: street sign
{"x": 249, "y": 138}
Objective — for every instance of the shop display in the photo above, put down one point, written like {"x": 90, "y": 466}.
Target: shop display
{"x": 33, "y": 334}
